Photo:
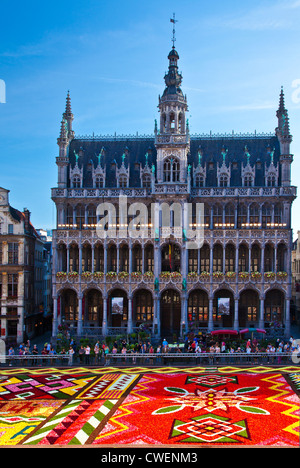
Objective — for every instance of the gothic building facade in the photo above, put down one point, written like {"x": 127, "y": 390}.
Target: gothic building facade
{"x": 239, "y": 276}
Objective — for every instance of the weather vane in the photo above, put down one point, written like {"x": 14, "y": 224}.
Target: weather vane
{"x": 173, "y": 20}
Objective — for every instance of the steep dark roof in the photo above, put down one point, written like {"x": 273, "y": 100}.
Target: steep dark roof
{"x": 135, "y": 149}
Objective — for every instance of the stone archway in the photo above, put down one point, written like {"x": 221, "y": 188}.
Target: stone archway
{"x": 117, "y": 308}
{"x": 92, "y": 308}
{"x": 170, "y": 312}
{"x": 249, "y": 304}
{"x": 223, "y": 308}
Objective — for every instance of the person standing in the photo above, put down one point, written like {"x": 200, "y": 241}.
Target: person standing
{"x": 87, "y": 355}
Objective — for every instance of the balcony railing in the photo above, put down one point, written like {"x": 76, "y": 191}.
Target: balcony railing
{"x": 290, "y": 191}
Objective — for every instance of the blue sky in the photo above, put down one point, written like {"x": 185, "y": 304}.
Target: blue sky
{"x": 112, "y": 56}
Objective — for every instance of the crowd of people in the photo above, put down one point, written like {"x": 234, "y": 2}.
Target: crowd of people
{"x": 97, "y": 353}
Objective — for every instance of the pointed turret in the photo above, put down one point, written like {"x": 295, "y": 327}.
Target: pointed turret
{"x": 285, "y": 139}
{"x": 283, "y": 129}
{"x": 62, "y": 140}
{"x": 65, "y": 136}
{"x": 69, "y": 117}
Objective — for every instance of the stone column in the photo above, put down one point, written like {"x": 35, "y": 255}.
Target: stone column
{"x": 183, "y": 322}
{"x": 210, "y": 316}
{"x": 236, "y": 314}
{"x": 129, "y": 323}
{"x": 262, "y": 312}
{"x": 104, "y": 321}
{"x": 79, "y": 324}
{"x": 54, "y": 320}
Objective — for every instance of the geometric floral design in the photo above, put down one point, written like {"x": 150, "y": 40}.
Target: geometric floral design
{"x": 211, "y": 380}
{"x": 295, "y": 378}
{"x": 138, "y": 406}
{"x": 52, "y": 386}
{"x": 211, "y": 429}
{"x": 240, "y": 410}
{"x": 210, "y": 400}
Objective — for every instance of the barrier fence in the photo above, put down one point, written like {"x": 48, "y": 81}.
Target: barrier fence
{"x": 154, "y": 359}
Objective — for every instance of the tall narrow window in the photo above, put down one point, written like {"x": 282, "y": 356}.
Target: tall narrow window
{"x": 171, "y": 170}
{"x": 99, "y": 181}
{"x": 123, "y": 181}
{"x": 76, "y": 182}
{"x": 13, "y": 251}
{"x": 223, "y": 180}
{"x": 12, "y": 285}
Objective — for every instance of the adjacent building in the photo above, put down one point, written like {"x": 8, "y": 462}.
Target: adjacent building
{"x": 240, "y": 193}
{"x": 21, "y": 274}
{"x": 296, "y": 280}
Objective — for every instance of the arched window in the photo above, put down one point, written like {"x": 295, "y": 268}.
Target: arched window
{"x": 199, "y": 180}
{"x": 198, "y": 307}
{"x": 266, "y": 215}
{"x": 146, "y": 181}
{"x": 248, "y": 180}
{"x": 80, "y": 216}
{"x": 229, "y": 215}
{"x": 172, "y": 123}
{"x": 254, "y": 214}
{"x": 99, "y": 181}
{"x": 271, "y": 180}
{"x": 171, "y": 170}
{"x": 69, "y": 214}
{"x": 144, "y": 306}
{"x": 217, "y": 258}
{"x": 223, "y": 180}
{"x": 76, "y": 181}
{"x": 92, "y": 218}
{"x": 217, "y": 215}
{"x": 123, "y": 181}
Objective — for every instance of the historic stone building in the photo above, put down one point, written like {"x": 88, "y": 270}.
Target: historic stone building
{"x": 22, "y": 264}
{"x": 240, "y": 276}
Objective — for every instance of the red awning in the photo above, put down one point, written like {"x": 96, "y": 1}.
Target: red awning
{"x": 246, "y": 330}
{"x": 224, "y": 332}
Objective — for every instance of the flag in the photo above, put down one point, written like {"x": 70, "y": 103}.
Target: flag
{"x": 170, "y": 256}
{"x": 172, "y": 20}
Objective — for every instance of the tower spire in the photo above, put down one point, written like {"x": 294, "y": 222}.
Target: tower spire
{"x": 69, "y": 117}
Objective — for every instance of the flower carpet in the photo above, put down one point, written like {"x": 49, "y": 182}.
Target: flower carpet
{"x": 172, "y": 407}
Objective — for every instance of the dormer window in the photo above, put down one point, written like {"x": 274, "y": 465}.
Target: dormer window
{"x": 146, "y": 181}
{"x": 223, "y": 180}
{"x": 76, "y": 182}
{"x": 199, "y": 181}
{"x": 99, "y": 181}
{"x": 123, "y": 181}
{"x": 271, "y": 181}
{"x": 248, "y": 181}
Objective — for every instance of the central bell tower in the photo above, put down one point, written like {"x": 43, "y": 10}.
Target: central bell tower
{"x": 172, "y": 140}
